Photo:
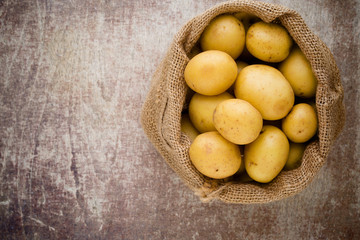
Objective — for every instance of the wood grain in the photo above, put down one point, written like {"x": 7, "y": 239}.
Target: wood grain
{"x": 74, "y": 161}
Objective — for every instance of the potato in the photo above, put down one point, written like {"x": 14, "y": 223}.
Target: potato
{"x": 242, "y": 166}
{"x": 237, "y": 121}
{"x": 240, "y": 66}
{"x": 301, "y": 123}
{"x": 297, "y": 70}
{"x": 266, "y": 89}
{"x": 187, "y": 127}
{"x": 224, "y": 33}
{"x": 201, "y": 110}
{"x": 269, "y": 42}
{"x": 211, "y": 72}
{"x": 214, "y": 156}
{"x": 267, "y": 155}
{"x": 295, "y": 155}
{"x": 246, "y": 18}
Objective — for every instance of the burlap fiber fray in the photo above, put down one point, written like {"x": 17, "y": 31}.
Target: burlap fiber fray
{"x": 167, "y": 98}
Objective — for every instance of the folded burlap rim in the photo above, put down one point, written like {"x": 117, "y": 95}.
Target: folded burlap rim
{"x": 168, "y": 98}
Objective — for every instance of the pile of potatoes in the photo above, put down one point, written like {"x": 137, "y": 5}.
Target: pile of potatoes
{"x": 252, "y": 111}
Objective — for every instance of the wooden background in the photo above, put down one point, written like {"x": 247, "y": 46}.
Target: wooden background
{"x": 74, "y": 161}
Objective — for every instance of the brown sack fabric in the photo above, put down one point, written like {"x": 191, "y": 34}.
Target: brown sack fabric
{"x": 167, "y": 98}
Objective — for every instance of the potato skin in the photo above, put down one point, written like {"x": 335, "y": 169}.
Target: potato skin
{"x": 224, "y": 33}
{"x": 295, "y": 155}
{"x": 266, "y": 89}
{"x": 301, "y": 124}
{"x": 269, "y": 42}
{"x": 238, "y": 121}
{"x": 297, "y": 70}
{"x": 211, "y": 72}
{"x": 267, "y": 155}
{"x": 240, "y": 65}
{"x": 247, "y": 19}
{"x": 201, "y": 110}
{"x": 214, "y": 156}
{"x": 188, "y": 128}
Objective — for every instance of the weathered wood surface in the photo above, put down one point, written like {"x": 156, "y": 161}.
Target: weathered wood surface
{"x": 74, "y": 161}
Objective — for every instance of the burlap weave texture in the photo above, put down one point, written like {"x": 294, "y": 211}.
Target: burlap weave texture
{"x": 167, "y": 98}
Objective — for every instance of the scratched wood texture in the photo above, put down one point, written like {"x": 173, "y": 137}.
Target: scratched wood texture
{"x": 74, "y": 161}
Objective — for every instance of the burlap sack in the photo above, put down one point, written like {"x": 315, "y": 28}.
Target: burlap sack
{"x": 167, "y": 98}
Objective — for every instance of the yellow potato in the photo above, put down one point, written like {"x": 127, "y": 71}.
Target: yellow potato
{"x": 246, "y": 18}
{"x": 224, "y": 33}
{"x": 188, "y": 128}
{"x": 267, "y": 155}
{"x": 266, "y": 89}
{"x": 214, "y": 156}
{"x": 242, "y": 166}
{"x": 295, "y": 155}
{"x": 269, "y": 42}
{"x": 297, "y": 70}
{"x": 240, "y": 66}
{"x": 301, "y": 123}
{"x": 201, "y": 110}
{"x": 237, "y": 121}
{"x": 211, "y": 72}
